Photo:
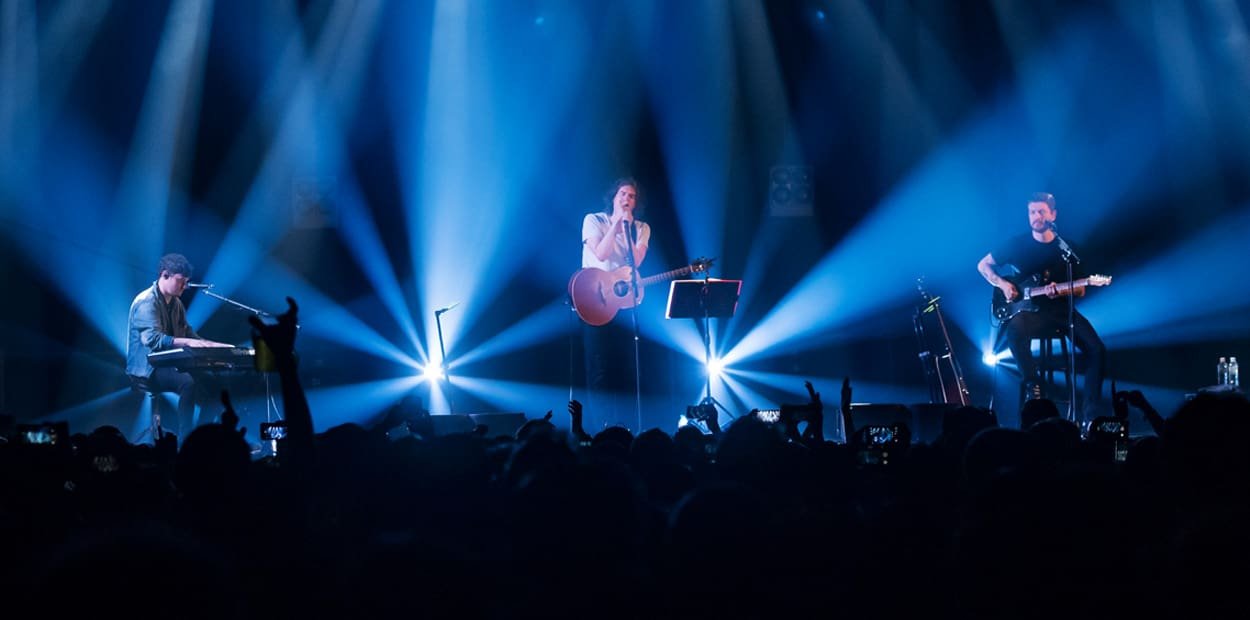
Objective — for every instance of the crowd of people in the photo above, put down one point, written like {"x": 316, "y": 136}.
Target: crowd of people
{"x": 760, "y": 519}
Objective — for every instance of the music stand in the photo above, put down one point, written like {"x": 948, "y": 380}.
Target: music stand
{"x": 704, "y": 299}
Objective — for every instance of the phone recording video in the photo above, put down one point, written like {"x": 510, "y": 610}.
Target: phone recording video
{"x": 1111, "y": 434}
{"x": 273, "y": 431}
{"x": 880, "y": 435}
{"x": 768, "y": 416}
{"x": 45, "y": 434}
{"x": 881, "y": 444}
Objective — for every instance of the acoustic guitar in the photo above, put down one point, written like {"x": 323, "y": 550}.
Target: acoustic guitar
{"x": 598, "y": 294}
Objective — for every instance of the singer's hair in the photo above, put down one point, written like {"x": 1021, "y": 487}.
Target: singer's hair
{"x": 1045, "y": 197}
{"x": 615, "y": 187}
{"x": 175, "y": 264}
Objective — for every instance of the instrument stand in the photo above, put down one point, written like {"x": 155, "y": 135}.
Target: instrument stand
{"x": 946, "y": 389}
{"x": 630, "y": 232}
{"x": 1070, "y": 258}
{"x": 704, "y": 299}
{"x": 442, "y": 360}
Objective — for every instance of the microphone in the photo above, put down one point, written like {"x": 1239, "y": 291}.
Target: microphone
{"x": 442, "y": 310}
{"x": 198, "y": 285}
{"x": 1051, "y": 225}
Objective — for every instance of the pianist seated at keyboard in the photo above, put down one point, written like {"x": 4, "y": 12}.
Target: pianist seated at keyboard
{"x": 158, "y": 322}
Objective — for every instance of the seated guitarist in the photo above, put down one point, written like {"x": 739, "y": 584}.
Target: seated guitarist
{"x": 608, "y": 349}
{"x": 1039, "y": 254}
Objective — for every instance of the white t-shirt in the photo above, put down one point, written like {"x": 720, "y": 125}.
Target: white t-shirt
{"x": 594, "y": 227}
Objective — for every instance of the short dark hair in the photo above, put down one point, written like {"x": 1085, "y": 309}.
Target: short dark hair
{"x": 175, "y": 263}
{"x": 616, "y": 187}
{"x": 1045, "y": 197}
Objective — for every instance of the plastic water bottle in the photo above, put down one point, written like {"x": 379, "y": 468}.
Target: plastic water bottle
{"x": 1221, "y": 372}
{"x": 1233, "y": 379}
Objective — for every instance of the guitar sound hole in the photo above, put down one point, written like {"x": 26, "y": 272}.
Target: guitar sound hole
{"x": 621, "y": 288}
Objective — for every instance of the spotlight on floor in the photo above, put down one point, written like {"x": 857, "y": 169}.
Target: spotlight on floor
{"x": 433, "y": 372}
{"x": 715, "y": 367}
{"x": 991, "y": 359}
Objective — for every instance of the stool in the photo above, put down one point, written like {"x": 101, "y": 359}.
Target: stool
{"x": 141, "y": 384}
{"x": 1048, "y": 364}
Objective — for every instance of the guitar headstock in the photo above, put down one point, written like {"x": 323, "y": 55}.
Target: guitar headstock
{"x": 700, "y": 265}
{"x": 924, "y": 294}
{"x": 1099, "y": 280}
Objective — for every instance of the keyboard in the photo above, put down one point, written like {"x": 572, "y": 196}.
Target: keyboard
{"x": 195, "y": 358}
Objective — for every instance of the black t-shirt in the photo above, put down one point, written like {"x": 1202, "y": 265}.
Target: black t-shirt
{"x": 1032, "y": 257}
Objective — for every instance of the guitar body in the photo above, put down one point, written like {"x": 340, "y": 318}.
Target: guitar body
{"x": 1004, "y": 310}
{"x": 598, "y": 295}
{"x": 1032, "y": 287}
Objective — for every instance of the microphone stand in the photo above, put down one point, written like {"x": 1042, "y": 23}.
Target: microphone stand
{"x": 256, "y": 311}
{"x": 271, "y": 407}
{"x": 1070, "y": 258}
{"x": 630, "y": 231}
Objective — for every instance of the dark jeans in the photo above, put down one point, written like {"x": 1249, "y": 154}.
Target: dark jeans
{"x": 609, "y": 351}
{"x": 1028, "y": 325}
{"x": 183, "y": 384}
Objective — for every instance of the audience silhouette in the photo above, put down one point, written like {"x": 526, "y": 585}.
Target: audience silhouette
{"x": 758, "y": 519}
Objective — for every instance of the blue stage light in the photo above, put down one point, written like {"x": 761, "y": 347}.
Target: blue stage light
{"x": 714, "y": 368}
{"x": 432, "y": 372}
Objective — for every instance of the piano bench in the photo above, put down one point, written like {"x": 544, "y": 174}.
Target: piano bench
{"x": 140, "y": 384}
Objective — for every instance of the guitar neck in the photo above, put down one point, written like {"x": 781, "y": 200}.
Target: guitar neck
{"x": 1061, "y": 288}
{"x": 667, "y": 275}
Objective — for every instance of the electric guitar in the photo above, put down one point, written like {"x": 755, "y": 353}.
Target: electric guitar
{"x": 1032, "y": 287}
{"x": 597, "y": 294}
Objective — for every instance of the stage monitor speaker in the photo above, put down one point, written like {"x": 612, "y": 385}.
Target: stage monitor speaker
{"x": 496, "y": 423}
{"x": 928, "y": 420}
{"x": 450, "y": 424}
{"x": 499, "y": 423}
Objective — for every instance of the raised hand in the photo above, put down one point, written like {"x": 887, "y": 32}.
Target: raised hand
{"x": 1119, "y": 402}
{"x": 229, "y": 418}
{"x": 575, "y": 412}
{"x": 846, "y": 394}
{"x": 1137, "y": 399}
{"x": 816, "y": 417}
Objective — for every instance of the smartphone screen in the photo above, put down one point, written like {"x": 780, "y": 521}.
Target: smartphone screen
{"x": 38, "y": 434}
{"x": 880, "y": 435}
{"x": 769, "y": 416}
{"x": 37, "y": 437}
{"x": 272, "y": 431}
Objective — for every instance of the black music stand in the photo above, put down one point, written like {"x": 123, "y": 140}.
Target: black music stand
{"x": 704, "y": 299}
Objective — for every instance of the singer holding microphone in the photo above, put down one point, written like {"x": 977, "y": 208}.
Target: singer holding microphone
{"x": 1041, "y": 253}
{"x": 158, "y": 321}
{"x": 606, "y": 239}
